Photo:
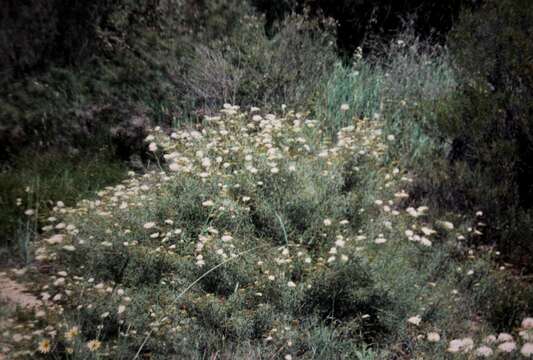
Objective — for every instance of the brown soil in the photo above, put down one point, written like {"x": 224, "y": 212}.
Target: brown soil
{"x": 16, "y": 294}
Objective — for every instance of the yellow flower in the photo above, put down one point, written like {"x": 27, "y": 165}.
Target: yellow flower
{"x": 415, "y": 320}
{"x": 433, "y": 337}
{"x": 94, "y": 345}
{"x": 72, "y": 333}
{"x": 45, "y": 346}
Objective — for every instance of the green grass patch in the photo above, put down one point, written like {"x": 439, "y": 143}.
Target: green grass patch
{"x": 38, "y": 181}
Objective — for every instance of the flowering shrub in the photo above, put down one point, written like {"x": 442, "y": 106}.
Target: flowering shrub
{"x": 253, "y": 239}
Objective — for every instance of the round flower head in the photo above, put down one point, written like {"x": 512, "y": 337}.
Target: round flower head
{"x": 508, "y": 346}
{"x": 526, "y": 335}
{"x": 455, "y": 346}
{"x": 45, "y": 346}
{"x": 527, "y": 323}
{"x": 149, "y": 225}
{"x": 468, "y": 344}
{"x": 527, "y": 349}
{"x": 461, "y": 345}
{"x": 94, "y": 345}
{"x": 415, "y": 320}
{"x": 504, "y": 337}
{"x": 490, "y": 339}
{"x": 433, "y": 337}
{"x": 72, "y": 333}
{"x": 484, "y": 351}
{"x": 380, "y": 240}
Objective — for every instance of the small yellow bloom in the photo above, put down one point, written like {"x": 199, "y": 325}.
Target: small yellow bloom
{"x": 45, "y": 346}
{"x": 94, "y": 345}
{"x": 72, "y": 333}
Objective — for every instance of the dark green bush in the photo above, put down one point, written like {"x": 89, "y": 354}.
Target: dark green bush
{"x": 37, "y": 34}
{"x": 359, "y": 20}
{"x": 487, "y": 124}
{"x": 346, "y": 293}
{"x": 68, "y": 80}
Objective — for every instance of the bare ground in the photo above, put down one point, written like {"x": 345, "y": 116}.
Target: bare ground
{"x": 16, "y": 294}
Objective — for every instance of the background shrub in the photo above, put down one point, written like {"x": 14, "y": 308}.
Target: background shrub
{"x": 460, "y": 116}
{"x": 486, "y": 124}
{"x": 402, "y": 86}
{"x": 250, "y": 68}
{"x": 357, "y": 21}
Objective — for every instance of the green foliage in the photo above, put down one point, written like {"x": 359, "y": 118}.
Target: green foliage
{"x": 347, "y": 293}
{"x": 358, "y": 87}
{"x": 360, "y": 20}
{"x": 486, "y": 124}
{"x": 460, "y": 119}
{"x": 502, "y": 303}
{"x": 403, "y": 87}
{"x": 39, "y": 181}
{"x": 293, "y": 206}
{"x": 121, "y": 60}
{"x": 262, "y": 236}
{"x": 250, "y": 68}
{"x": 43, "y": 33}
{"x": 266, "y": 246}
{"x": 141, "y": 68}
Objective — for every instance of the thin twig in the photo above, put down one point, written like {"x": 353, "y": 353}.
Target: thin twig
{"x": 283, "y": 228}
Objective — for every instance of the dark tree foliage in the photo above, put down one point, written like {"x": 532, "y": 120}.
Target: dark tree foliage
{"x": 488, "y": 123}
{"x": 39, "y": 34}
{"x": 70, "y": 70}
{"x": 36, "y": 34}
{"x": 275, "y": 11}
{"x": 494, "y": 53}
{"x": 359, "y": 20}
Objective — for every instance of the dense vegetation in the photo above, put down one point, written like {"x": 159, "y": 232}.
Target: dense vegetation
{"x": 368, "y": 198}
